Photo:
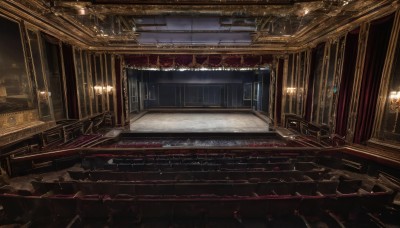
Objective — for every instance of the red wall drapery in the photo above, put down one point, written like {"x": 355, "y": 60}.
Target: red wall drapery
{"x": 378, "y": 41}
{"x": 346, "y": 83}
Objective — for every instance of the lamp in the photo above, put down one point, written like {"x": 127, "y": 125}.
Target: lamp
{"x": 3, "y": 94}
{"x": 108, "y": 89}
{"x": 291, "y": 91}
{"x": 394, "y": 105}
{"x": 43, "y": 95}
{"x": 98, "y": 90}
{"x": 394, "y": 101}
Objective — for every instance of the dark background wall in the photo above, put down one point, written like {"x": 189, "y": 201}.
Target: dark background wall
{"x": 178, "y": 89}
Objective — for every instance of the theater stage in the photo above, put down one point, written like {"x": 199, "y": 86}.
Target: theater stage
{"x": 181, "y": 122}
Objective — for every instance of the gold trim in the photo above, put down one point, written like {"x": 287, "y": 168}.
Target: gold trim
{"x": 45, "y": 76}
{"x": 74, "y": 50}
{"x": 276, "y": 64}
{"x": 307, "y": 78}
{"x": 125, "y": 92}
{"x": 295, "y": 74}
{"x": 106, "y": 82}
{"x": 19, "y": 134}
{"x": 293, "y": 83}
{"x": 31, "y": 68}
{"x": 15, "y": 119}
{"x": 114, "y": 81}
{"x": 89, "y": 82}
{"x": 64, "y": 81}
{"x": 96, "y": 99}
{"x": 285, "y": 76}
{"x": 61, "y": 25}
{"x": 103, "y": 95}
{"x": 337, "y": 80}
{"x": 362, "y": 46}
{"x": 271, "y": 92}
{"x": 320, "y": 97}
{"x": 284, "y": 84}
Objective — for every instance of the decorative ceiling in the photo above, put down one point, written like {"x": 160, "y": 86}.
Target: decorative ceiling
{"x": 200, "y": 25}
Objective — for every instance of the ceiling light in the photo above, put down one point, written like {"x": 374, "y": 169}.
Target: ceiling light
{"x": 306, "y": 11}
{"x": 82, "y": 11}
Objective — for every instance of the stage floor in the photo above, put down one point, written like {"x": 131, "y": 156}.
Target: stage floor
{"x": 199, "y": 122}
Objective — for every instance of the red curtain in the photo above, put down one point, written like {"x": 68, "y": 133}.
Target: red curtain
{"x": 233, "y": 61}
{"x": 378, "y": 41}
{"x": 137, "y": 60}
{"x": 184, "y": 60}
{"x": 201, "y": 59}
{"x": 266, "y": 59}
{"x": 215, "y": 60}
{"x": 169, "y": 61}
{"x": 153, "y": 61}
{"x": 346, "y": 83}
{"x": 72, "y": 98}
{"x": 251, "y": 60}
{"x": 166, "y": 60}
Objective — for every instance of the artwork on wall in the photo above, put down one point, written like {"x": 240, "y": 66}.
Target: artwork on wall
{"x": 15, "y": 85}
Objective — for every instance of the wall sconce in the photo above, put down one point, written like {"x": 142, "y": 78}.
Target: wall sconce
{"x": 394, "y": 101}
{"x": 43, "y": 95}
{"x": 98, "y": 90}
{"x": 394, "y": 106}
{"x": 291, "y": 91}
{"x": 3, "y": 94}
{"x": 109, "y": 89}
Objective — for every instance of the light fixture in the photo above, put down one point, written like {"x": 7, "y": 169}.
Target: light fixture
{"x": 394, "y": 106}
{"x": 108, "y": 89}
{"x": 291, "y": 91}
{"x": 81, "y": 11}
{"x": 394, "y": 101}
{"x": 98, "y": 90}
{"x": 43, "y": 95}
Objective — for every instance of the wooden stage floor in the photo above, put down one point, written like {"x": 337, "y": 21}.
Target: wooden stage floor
{"x": 174, "y": 122}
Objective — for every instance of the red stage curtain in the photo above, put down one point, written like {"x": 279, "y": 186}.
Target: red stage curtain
{"x": 169, "y": 61}
{"x": 139, "y": 61}
{"x": 184, "y": 60}
{"x": 201, "y": 59}
{"x": 266, "y": 59}
{"x": 233, "y": 61}
{"x": 214, "y": 60}
{"x": 153, "y": 61}
{"x": 251, "y": 60}
{"x": 346, "y": 83}
{"x": 166, "y": 61}
{"x": 378, "y": 41}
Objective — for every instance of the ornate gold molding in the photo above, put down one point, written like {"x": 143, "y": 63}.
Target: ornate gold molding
{"x": 56, "y": 18}
{"x": 355, "y": 96}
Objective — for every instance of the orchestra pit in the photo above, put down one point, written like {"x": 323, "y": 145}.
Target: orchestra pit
{"x": 192, "y": 113}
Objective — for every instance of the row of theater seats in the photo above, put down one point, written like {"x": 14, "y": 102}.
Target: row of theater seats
{"x": 203, "y": 190}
